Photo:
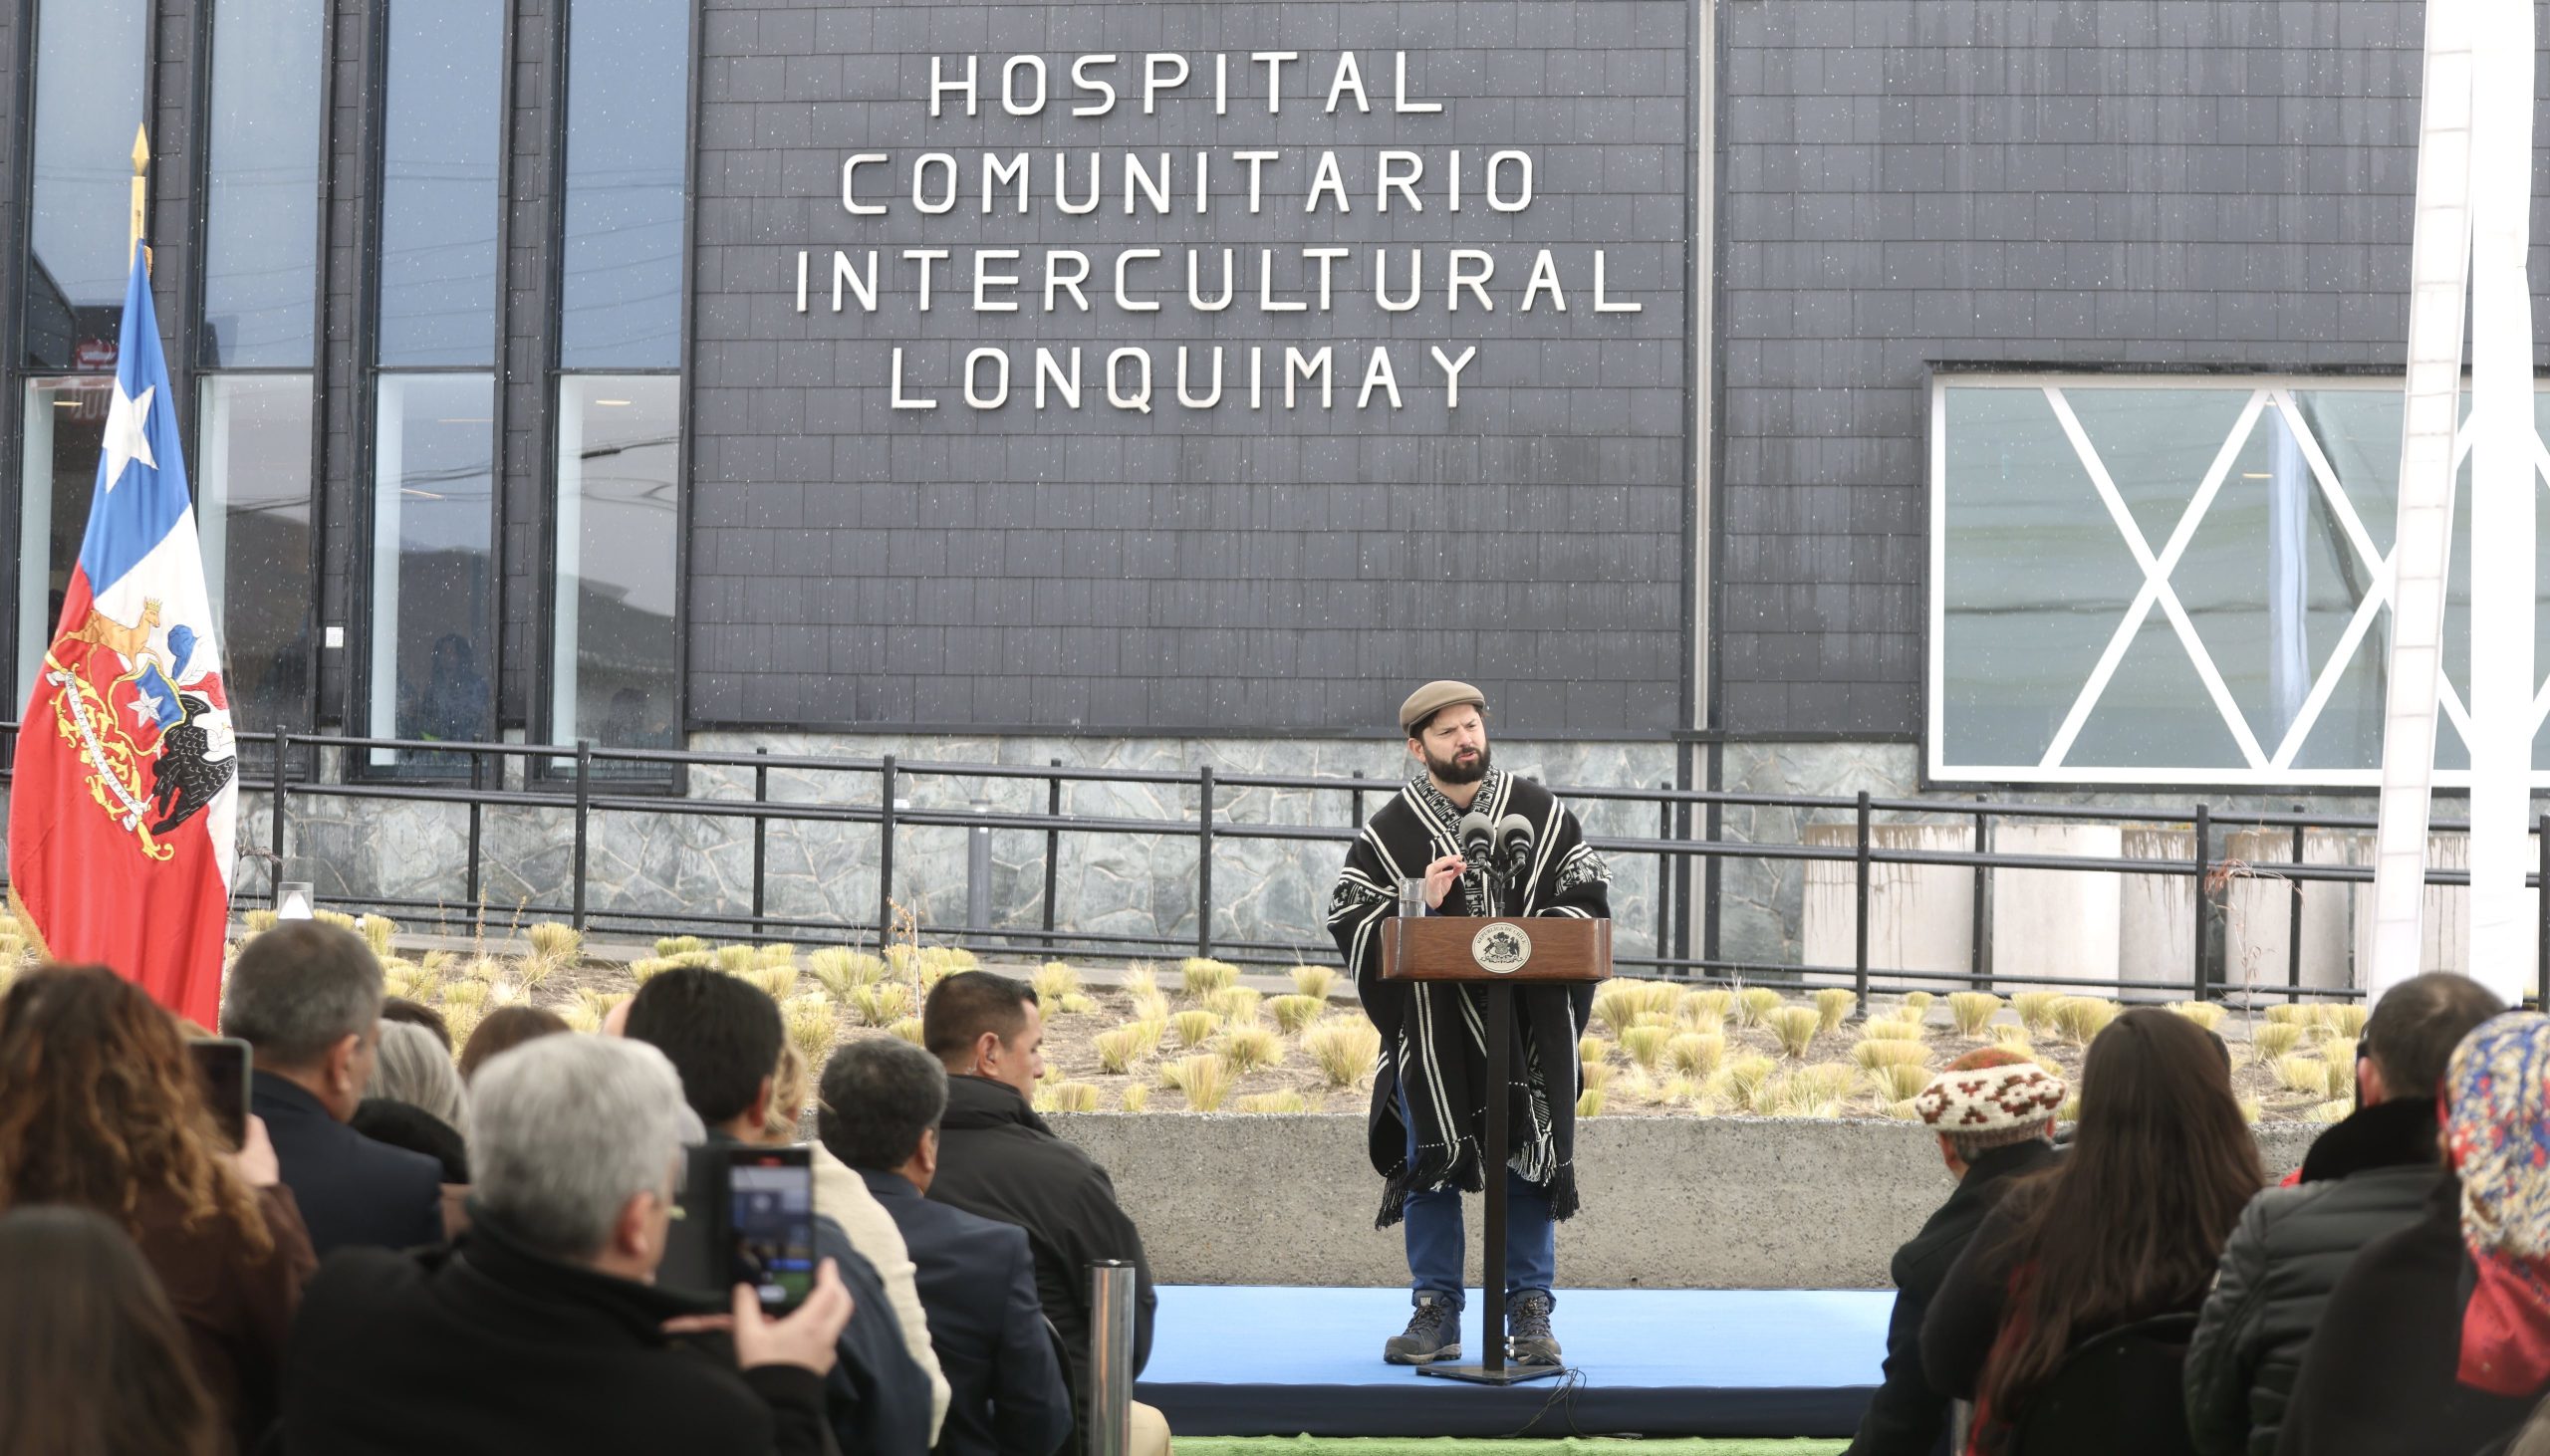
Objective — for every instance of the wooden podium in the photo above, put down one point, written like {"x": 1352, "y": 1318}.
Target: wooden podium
{"x": 1494, "y": 952}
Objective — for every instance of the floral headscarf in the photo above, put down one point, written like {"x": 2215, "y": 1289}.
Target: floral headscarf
{"x": 2496, "y": 1124}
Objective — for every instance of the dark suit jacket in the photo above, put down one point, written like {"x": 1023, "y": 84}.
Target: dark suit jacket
{"x": 978, "y": 1283}
{"x": 997, "y": 1158}
{"x": 352, "y": 1190}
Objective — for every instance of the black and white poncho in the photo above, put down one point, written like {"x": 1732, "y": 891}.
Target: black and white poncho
{"x": 1435, "y": 1034}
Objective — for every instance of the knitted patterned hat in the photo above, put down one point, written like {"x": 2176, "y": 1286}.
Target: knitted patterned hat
{"x": 1991, "y": 1096}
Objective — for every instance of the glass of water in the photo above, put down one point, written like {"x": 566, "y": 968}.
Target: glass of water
{"x": 1412, "y": 898}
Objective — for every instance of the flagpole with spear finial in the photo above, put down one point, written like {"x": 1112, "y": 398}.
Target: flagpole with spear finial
{"x": 140, "y": 189}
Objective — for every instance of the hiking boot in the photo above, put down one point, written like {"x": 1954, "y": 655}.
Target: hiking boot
{"x": 1433, "y": 1334}
{"x": 1528, "y": 1341}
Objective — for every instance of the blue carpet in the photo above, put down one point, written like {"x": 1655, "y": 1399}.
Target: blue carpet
{"x": 1257, "y": 1360}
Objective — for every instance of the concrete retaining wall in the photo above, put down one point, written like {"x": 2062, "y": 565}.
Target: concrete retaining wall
{"x": 1699, "y": 1203}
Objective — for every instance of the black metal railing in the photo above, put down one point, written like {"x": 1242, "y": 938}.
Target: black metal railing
{"x": 585, "y": 783}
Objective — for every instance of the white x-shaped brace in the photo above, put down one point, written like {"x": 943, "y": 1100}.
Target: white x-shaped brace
{"x": 2157, "y": 591}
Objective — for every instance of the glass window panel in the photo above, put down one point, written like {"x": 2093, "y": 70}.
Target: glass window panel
{"x": 65, "y": 425}
{"x": 2155, "y": 713}
{"x": 89, "y": 101}
{"x": 2021, "y": 637}
{"x": 2272, "y": 580}
{"x": 261, "y": 202}
{"x": 619, "y": 515}
{"x": 441, "y": 138}
{"x": 431, "y": 588}
{"x": 2268, "y": 579}
{"x": 2156, "y": 445}
{"x": 628, "y": 103}
{"x": 253, "y": 464}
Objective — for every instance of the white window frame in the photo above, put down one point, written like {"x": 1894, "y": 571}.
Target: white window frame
{"x": 2269, "y": 765}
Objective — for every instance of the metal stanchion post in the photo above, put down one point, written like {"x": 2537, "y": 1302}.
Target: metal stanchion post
{"x": 1108, "y": 1400}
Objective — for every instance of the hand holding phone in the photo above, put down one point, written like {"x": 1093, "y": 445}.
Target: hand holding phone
{"x": 805, "y": 1339}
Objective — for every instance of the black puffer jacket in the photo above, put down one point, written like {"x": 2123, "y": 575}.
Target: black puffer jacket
{"x": 2366, "y": 1177}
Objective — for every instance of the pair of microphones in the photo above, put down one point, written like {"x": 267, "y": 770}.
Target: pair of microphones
{"x": 1497, "y": 847}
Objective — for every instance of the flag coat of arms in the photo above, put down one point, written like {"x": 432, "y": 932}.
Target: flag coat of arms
{"x": 124, "y": 805}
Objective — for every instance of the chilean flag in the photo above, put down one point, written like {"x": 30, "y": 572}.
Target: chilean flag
{"x": 125, "y": 801}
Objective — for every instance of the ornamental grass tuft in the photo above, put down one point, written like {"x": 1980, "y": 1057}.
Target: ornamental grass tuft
{"x": 1646, "y": 1044}
{"x": 1193, "y": 1027}
{"x": 2206, "y": 1014}
{"x": 1251, "y": 1048}
{"x": 1696, "y": 1053}
{"x": 1313, "y": 981}
{"x": 1834, "y": 1005}
{"x": 1204, "y": 975}
{"x": 1972, "y": 1011}
{"x": 2036, "y": 1010}
{"x": 1293, "y": 1013}
{"x": 1344, "y": 1047}
{"x": 1794, "y": 1027}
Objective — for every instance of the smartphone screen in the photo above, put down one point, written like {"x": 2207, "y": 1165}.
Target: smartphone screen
{"x": 770, "y": 1224}
{"x": 222, "y": 1067}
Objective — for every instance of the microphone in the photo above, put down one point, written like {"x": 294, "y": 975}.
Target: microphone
{"x": 1513, "y": 842}
{"x": 1478, "y": 838}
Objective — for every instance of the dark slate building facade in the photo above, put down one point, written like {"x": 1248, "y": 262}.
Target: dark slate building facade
{"x": 1778, "y": 395}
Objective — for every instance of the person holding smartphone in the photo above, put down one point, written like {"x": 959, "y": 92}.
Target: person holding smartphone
{"x": 543, "y": 1331}
{"x": 116, "y": 1119}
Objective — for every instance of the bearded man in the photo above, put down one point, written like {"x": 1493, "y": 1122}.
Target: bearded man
{"x": 1430, "y": 1099}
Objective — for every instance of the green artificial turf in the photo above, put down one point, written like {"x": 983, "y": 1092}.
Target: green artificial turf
{"x": 1456, "y": 1446}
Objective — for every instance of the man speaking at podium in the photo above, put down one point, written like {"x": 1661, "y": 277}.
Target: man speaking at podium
{"x": 1480, "y": 841}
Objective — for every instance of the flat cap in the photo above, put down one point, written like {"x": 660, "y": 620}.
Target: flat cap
{"x": 1433, "y": 698}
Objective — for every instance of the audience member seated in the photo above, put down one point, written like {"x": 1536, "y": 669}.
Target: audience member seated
{"x": 723, "y": 1036}
{"x": 2127, "y": 1226}
{"x": 1993, "y": 1113}
{"x": 306, "y": 996}
{"x": 414, "y": 1099}
{"x": 540, "y": 1332}
{"x": 103, "y": 1111}
{"x": 997, "y": 1158}
{"x": 2366, "y": 1177}
{"x": 841, "y": 1198}
{"x": 416, "y": 1013}
{"x": 879, "y": 1112}
{"x": 2437, "y": 1336}
{"x": 504, "y": 1028}
{"x": 92, "y": 1361}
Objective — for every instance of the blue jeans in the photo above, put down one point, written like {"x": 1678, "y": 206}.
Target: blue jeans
{"x": 1435, "y": 1237}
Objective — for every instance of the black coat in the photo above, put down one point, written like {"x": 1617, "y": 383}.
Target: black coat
{"x": 352, "y": 1190}
{"x": 1906, "y": 1417}
{"x": 493, "y": 1349}
{"x": 2379, "y": 1379}
{"x": 998, "y": 1159}
{"x": 977, "y": 1284}
{"x": 1965, "y": 1320}
{"x": 2368, "y": 1176}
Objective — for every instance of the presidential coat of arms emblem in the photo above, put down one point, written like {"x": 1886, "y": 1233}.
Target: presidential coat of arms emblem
{"x": 149, "y": 722}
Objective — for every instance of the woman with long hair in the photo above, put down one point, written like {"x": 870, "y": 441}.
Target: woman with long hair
{"x": 100, "y": 1109}
{"x": 2129, "y": 1225}
{"x": 92, "y": 1359}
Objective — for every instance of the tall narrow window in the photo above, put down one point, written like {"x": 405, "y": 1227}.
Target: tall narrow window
{"x": 65, "y": 427}
{"x": 614, "y": 650}
{"x": 433, "y": 590}
{"x": 260, "y": 276}
{"x": 261, "y": 201}
{"x": 434, "y": 484}
{"x": 252, "y": 473}
{"x": 91, "y": 55}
